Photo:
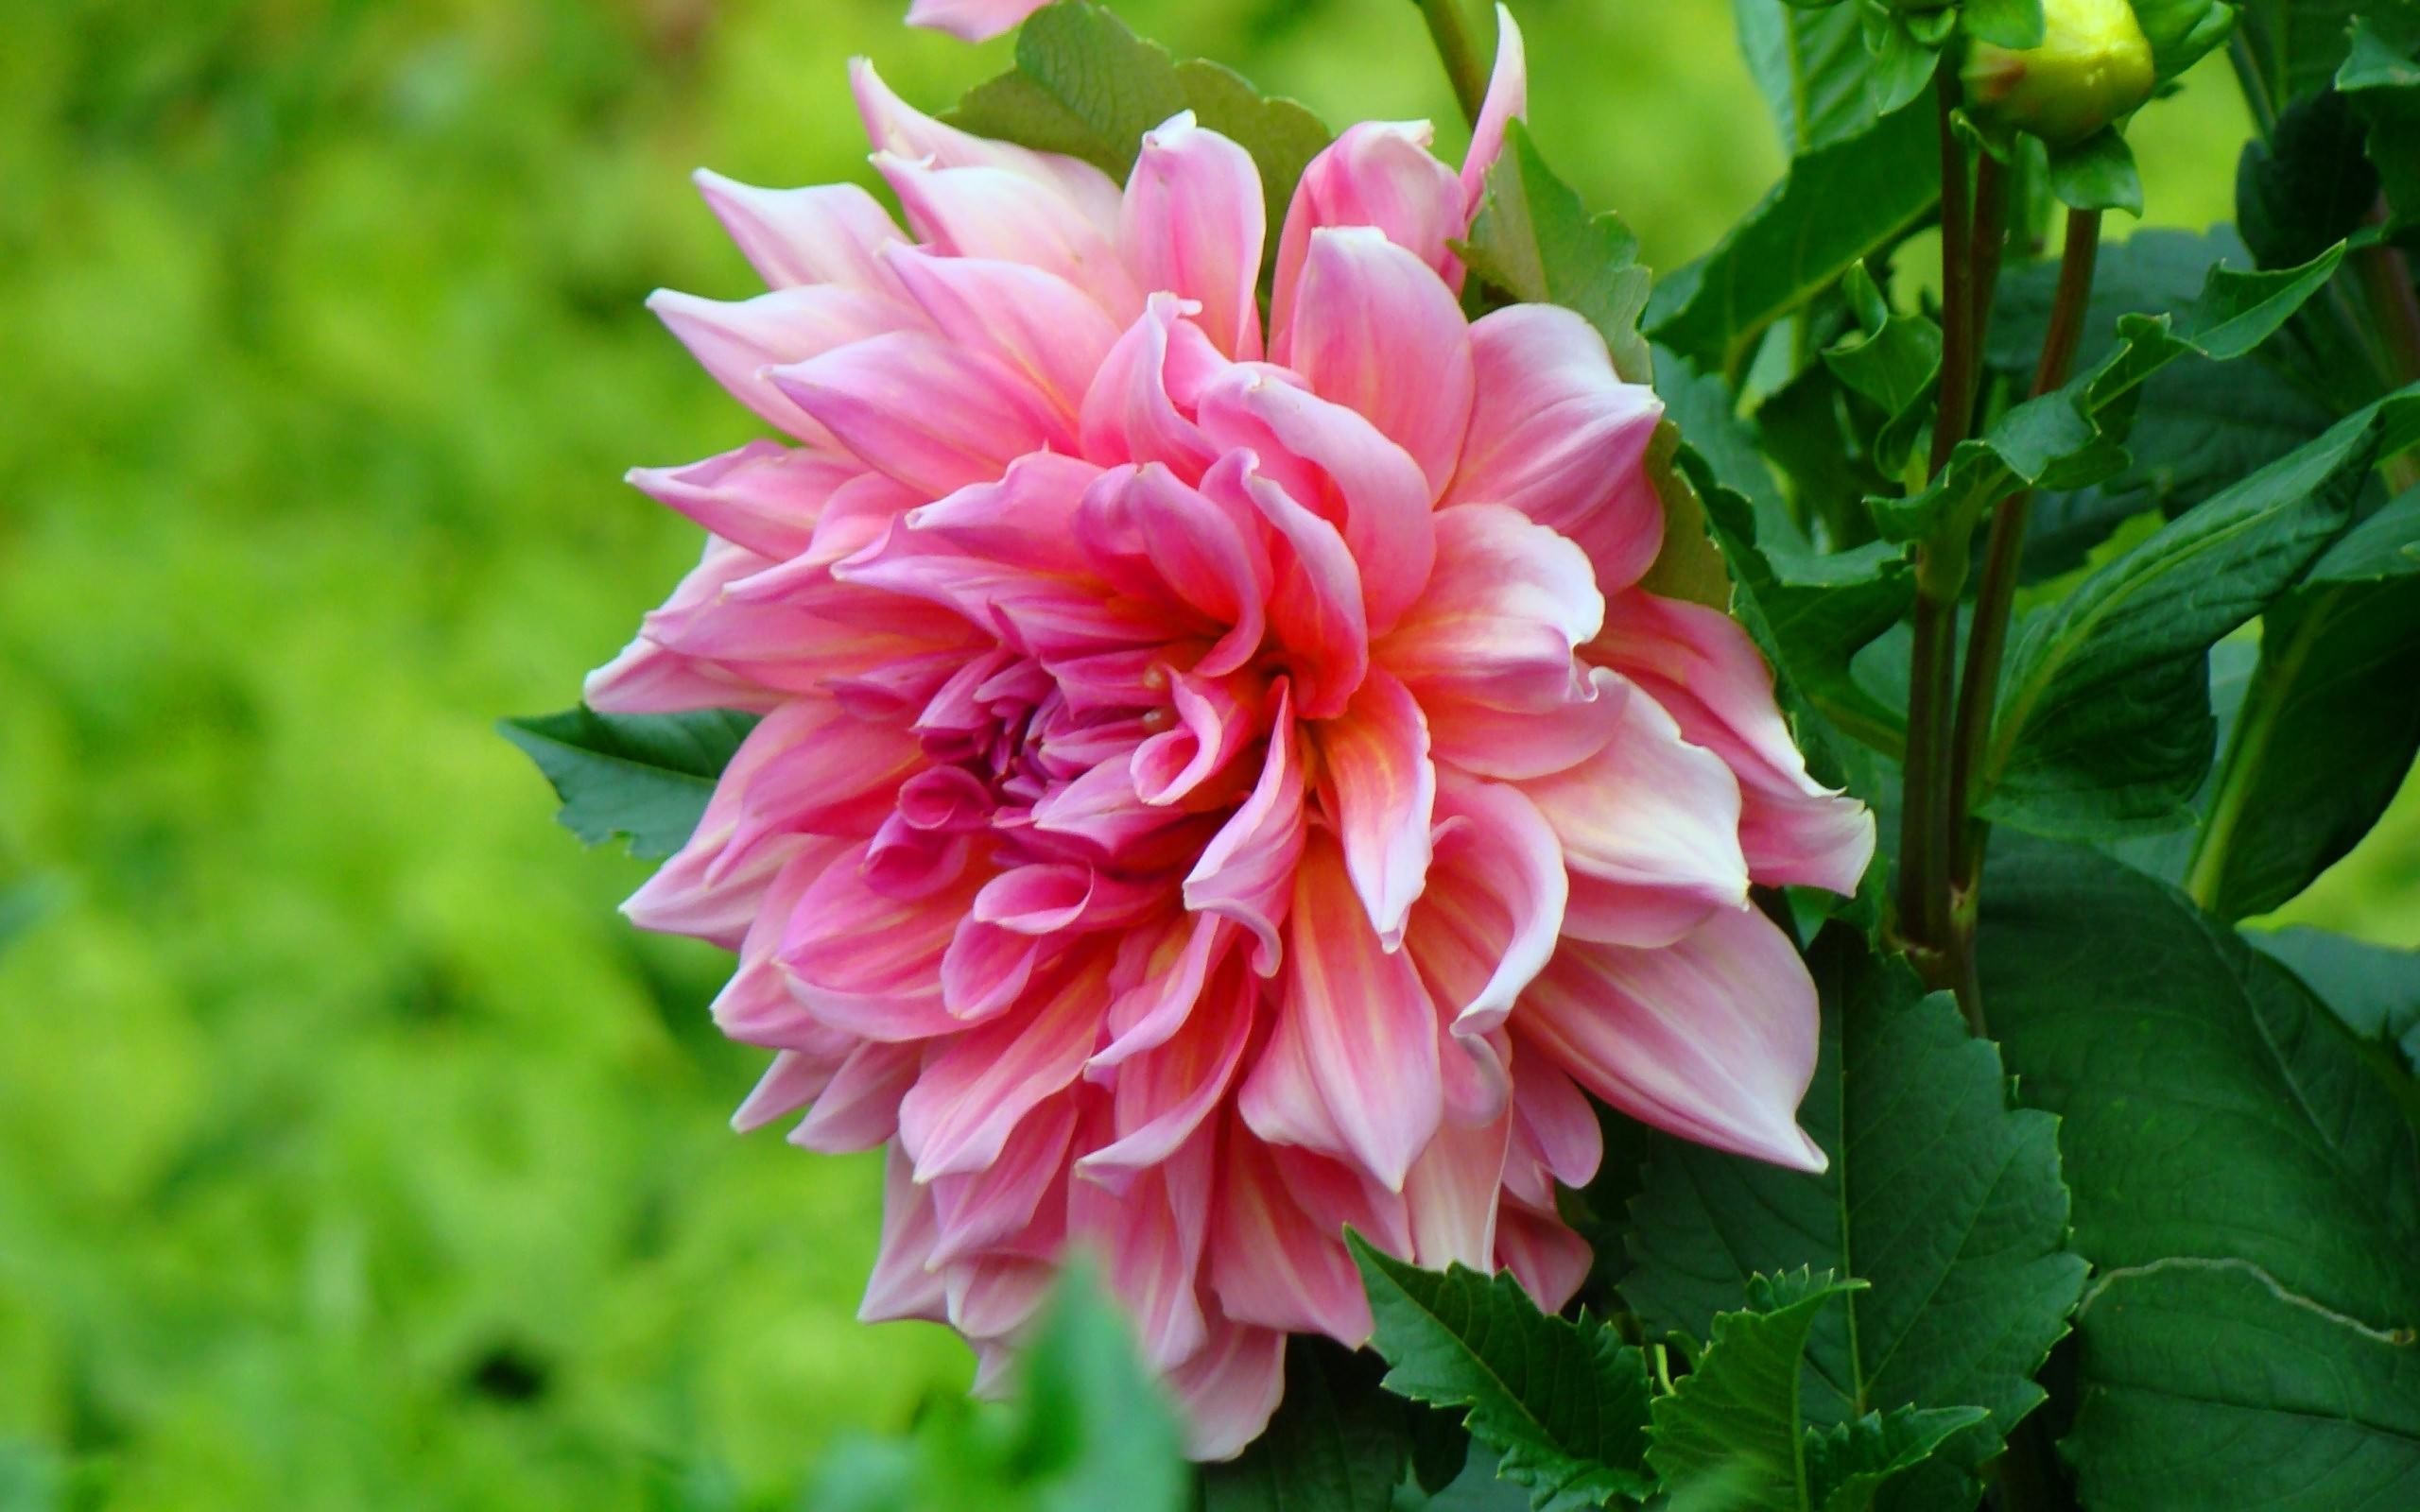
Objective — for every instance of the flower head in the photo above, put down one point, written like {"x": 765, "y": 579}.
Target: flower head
{"x": 1220, "y": 779}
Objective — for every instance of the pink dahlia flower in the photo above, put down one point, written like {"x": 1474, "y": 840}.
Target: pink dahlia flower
{"x": 972, "y": 19}
{"x": 1220, "y": 780}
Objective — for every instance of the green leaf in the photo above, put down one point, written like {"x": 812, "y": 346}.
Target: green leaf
{"x": 2246, "y": 1188}
{"x": 2008, "y": 22}
{"x": 1565, "y": 1404}
{"x": 1733, "y": 1433}
{"x": 2096, "y": 173}
{"x": 1813, "y": 69}
{"x": 2072, "y": 436}
{"x": 1086, "y": 86}
{"x": 2297, "y": 45}
{"x": 2104, "y": 725}
{"x": 1838, "y": 204}
{"x": 2207, "y": 1385}
{"x": 2372, "y": 990}
{"x": 646, "y": 777}
{"x": 1536, "y": 241}
{"x": 2309, "y": 186}
{"x": 2326, "y": 730}
{"x": 1092, "y": 1428}
{"x": 1339, "y": 1442}
{"x": 1893, "y": 360}
{"x": 2182, "y": 33}
{"x": 1944, "y": 1200}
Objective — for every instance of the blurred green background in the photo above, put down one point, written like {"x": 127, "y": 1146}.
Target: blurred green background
{"x": 352, "y": 1152}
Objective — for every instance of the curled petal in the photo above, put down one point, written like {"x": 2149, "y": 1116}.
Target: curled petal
{"x": 1208, "y": 557}
{"x": 895, "y": 126}
{"x": 1377, "y": 331}
{"x": 1492, "y": 913}
{"x": 1316, "y": 607}
{"x": 1649, "y": 811}
{"x": 869, "y": 963}
{"x": 1707, "y": 673}
{"x": 1032, "y": 322}
{"x": 1508, "y": 98}
{"x": 1157, "y": 995}
{"x": 1514, "y": 746}
{"x": 1381, "y": 791}
{"x": 763, "y": 496}
{"x": 1544, "y": 1255}
{"x": 978, "y": 1210}
{"x": 1192, "y": 223}
{"x": 972, "y": 19}
{"x": 1452, "y": 1193}
{"x": 1246, "y": 873}
{"x": 736, "y": 342}
{"x": 1712, "y": 1037}
{"x": 1150, "y": 1235}
{"x": 1500, "y": 617}
{"x": 933, "y": 415}
{"x": 1140, "y": 407}
{"x": 827, "y": 234}
{"x": 1023, "y": 519}
{"x": 1556, "y": 435}
{"x": 1214, "y": 724}
{"x": 1378, "y": 173}
{"x": 1165, "y": 1095}
{"x": 995, "y": 214}
{"x": 1271, "y": 1263}
{"x": 973, "y": 1094}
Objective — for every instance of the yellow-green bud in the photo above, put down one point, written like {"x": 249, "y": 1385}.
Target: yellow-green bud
{"x": 2093, "y": 67}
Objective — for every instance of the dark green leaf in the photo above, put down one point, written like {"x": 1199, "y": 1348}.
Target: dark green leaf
{"x": 1849, "y": 1464}
{"x": 2208, "y": 1385}
{"x": 1838, "y": 204}
{"x": 2297, "y": 45}
{"x": 642, "y": 775}
{"x": 2071, "y": 438}
{"x": 1534, "y": 240}
{"x": 2104, "y": 725}
{"x": 1893, "y": 360}
{"x": 2310, "y": 186}
{"x": 2009, "y": 23}
{"x": 2098, "y": 173}
{"x": 2381, "y": 76}
{"x": 1700, "y": 407}
{"x": 1086, "y": 86}
{"x": 1946, "y": 1200}
{"x": 1565, "y": 1404}
{"x": 2182, "y": 31}
{"x": 1337, "y": 1444}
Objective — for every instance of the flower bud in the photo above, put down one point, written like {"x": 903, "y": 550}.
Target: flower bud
{"x": 2093, "y": 67}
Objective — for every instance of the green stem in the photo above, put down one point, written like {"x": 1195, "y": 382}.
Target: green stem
{"x": 2248, "y": 77}
{"x": 2264, "y": 702}
{"x": 1451, "y": 29}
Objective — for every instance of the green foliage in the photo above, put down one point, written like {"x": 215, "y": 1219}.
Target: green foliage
{"x": 643, "y": 777}
{"x": 1534, "y": 240}
{"x": 2244, "y": 1183}
{"x": 1086, "y": 1428}
{"x": 1839, "y": 203}
{"x": 1734, "y": 1434}
{"x": 1563, "y": 1403}
{"x": 2381, "y": 77}
{"x": 1086, "y": 86}
{"x": 1813, "y": 68}
{"x": 2373, "y": 992}
{"x": 1895, "y": 361}
{"x": 1942, "y": 1201}
{"x": 1343, "y": 1443}
{"x": 2104, "y": 724}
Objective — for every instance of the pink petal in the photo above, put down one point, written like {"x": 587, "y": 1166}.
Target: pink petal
{"x": 1246, "y": 873}
{"x": 892, "y": 125}
{"x": 1492, "y": 913}
{"x": 736, "y": 342}
{"x": 1451, "y": 1193}
{"x": 1557, "y": 436}
{"x": 1501, "y": 616}
{"x": 1554, "y": 1129}
{"x": 1140, "y": 405}
{"x": 979, "y": 1209}
{"x": 997, "y": 1297}
{"x": 1032, "y": 322}
{"x": 1317, "y": 607}
{"x": 972, "y": 19}
{"x": 1514, "y": 746}
{"x": 1193, "y": 223}
{"x": 816, "y": 769}
{"x": 933, "y": 415}
{"x": 1366, "y": 1027}
{"x": 1229, "y": 1389}
{"x": 859, "y": 1108}
{"x": 1378, "y": 173}
{"x": 1704, "y": 670}
{"x": 986, "y": 969}
{"x": 1712, "y": 1037}
{"x": 902, "y": 1286}
{"x": 1201, "y": 557}
{"x": 755, "y": 1006}
{"x": 996, "y": 213}
{"x": 1508, "y": 97}
{"x": 1377, "y": 331}
{"x": 1382, "y": 792}
{"x": 1213, "y": 724}
{"x": 1270, "y": 1263}
{"x": 1150, "y": 1238}
{"x": 1342, "y": 470}
{"x": 1649, "y": 811}
{"x": 870, "y": 963}
{"x": 1544, "y": 1256}
{"x": 973, "y": 1094}
{"x": 828, "y": 234}
{"x": 1025, "y": 519}
{"x": 1164, "y": 1094}
{"x": 763, "y": 496}
{"x": 795, "y": 1079}
{"x": 1038, "y": 613}
{"x": 1167, "y": 973}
